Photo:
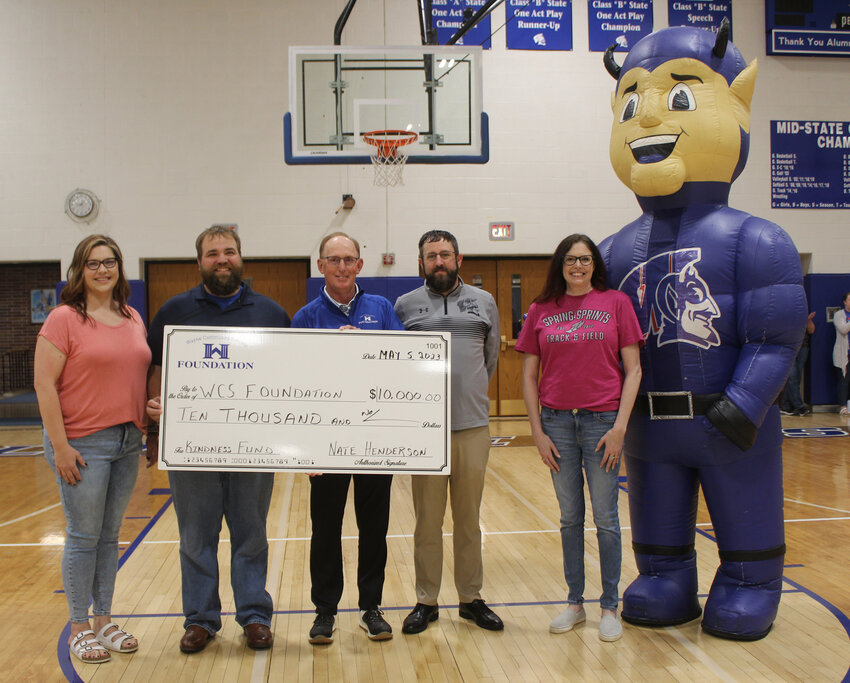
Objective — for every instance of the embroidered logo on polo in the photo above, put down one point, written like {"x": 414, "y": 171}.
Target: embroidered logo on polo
{"x": 469, "y": 306}
{"x": 367, "y": 319}
{"x": 673, "y": 302}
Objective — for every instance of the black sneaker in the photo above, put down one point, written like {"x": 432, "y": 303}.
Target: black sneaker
{"x": 802, "y": 412}
{"x": 372, "y": 621}
{"x": 322, "y": 632}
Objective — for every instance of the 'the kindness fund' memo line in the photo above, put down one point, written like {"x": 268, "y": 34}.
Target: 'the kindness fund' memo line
{"x": 259, "y": 399}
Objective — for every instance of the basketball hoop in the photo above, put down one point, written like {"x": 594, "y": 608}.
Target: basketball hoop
{"x": 387, "y": 157}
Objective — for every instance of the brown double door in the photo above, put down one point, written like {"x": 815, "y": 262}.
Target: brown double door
{"x": 285, "y": 281}
{"x": 513, "y": 282}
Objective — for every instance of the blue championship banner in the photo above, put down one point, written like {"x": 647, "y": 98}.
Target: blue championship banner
{"x": 617, "y": 21}
{"x": 447, "y": 16}
{"x": 265, "y": 400}
{"x": 700, "y": 14}
{"x": 539, "y": 24}
{"x": 810, "y": 164}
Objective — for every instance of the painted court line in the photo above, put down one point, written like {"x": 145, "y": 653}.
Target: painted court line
{"x": 446, "y": 534}
{"x": 407, "y": 608}
{"x": 31, "y": 514}
{"x": 815, "y": 505}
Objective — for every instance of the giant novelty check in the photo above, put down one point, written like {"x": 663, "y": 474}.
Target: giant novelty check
{"x": 261, "y": 399}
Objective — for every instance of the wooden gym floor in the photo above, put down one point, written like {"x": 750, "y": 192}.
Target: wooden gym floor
{"x": 523, "y": 583}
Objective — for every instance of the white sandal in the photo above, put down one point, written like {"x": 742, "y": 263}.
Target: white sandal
{"x": 114, "y": 641}
{"x": 82, "y": 644}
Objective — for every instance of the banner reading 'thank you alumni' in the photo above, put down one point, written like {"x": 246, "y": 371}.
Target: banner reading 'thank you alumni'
{"x": 814, "y": 28}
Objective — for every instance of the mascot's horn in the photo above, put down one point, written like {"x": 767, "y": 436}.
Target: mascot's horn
{"x": 722, "y": 38}
{"x": 611, "y": 64}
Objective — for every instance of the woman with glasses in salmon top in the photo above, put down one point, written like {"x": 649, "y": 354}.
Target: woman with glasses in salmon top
{"x": 91, "y": 361}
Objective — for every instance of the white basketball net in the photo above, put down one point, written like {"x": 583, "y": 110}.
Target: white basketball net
{"x": 388, "y": 157}
{"x": 388, "y": 167}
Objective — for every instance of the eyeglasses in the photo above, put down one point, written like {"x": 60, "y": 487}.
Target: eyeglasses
{"x": 432, "y": 256}
{"x": 585, "y": 260}
{"x": 108, "y": 263}
{"x": 336, "y": 260}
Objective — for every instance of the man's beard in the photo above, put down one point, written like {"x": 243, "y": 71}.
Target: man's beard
{"x": 442, "y": 281}
{"x": 221, "y": 285}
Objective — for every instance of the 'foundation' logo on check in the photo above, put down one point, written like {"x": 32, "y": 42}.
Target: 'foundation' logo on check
{"x": 213, "y": 351}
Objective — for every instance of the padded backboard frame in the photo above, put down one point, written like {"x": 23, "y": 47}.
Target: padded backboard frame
{"x": 338, "y": 93}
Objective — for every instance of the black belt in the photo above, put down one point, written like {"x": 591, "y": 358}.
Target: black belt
{"x": 673, "y": 405}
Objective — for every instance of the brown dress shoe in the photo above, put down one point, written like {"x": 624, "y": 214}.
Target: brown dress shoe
{"x": 259, "y": 636}
{"x": 195, "y": 639}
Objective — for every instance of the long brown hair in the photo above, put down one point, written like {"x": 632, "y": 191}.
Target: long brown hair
{"x": 556, "y": 285}
{"x": 74, "y": 293}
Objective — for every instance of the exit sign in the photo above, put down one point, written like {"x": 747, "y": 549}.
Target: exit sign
{"x": 502, "y": 231}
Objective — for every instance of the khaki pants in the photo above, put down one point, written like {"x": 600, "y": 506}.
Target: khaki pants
{"x": 470, "y": 452}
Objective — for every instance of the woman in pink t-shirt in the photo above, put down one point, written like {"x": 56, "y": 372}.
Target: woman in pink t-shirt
{"x": 91, "y": 361}
{"x": 581, "y": 374}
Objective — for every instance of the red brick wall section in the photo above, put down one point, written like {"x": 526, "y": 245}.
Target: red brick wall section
{"x": 16, "y": 281}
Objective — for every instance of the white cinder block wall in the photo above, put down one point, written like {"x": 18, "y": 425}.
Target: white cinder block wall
{"x": 171, "y": 111}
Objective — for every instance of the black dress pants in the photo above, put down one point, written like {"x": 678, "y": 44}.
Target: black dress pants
{"x": 328, "y": 494}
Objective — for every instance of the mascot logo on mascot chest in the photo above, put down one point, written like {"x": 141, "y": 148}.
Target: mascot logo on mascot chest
{"x": 681, "y": 308}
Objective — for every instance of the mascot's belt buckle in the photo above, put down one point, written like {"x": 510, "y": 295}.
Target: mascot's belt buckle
{"x": 650, "y": 396}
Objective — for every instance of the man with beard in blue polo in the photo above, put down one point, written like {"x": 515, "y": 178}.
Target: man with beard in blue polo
{"x": 201, "y": 499}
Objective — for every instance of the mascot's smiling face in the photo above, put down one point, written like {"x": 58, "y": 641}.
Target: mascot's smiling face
{"x": 678, "y": 119}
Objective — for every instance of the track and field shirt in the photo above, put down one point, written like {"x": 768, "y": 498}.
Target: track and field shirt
{"x": 578, "y": 339}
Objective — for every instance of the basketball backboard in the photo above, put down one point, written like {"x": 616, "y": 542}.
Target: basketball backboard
{"x": 336, "y": 94}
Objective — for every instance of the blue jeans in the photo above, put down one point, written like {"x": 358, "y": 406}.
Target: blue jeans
{"x": 201, "y": 499}
{"x": 93, "y": 511}
{"x": 575, "y": 435}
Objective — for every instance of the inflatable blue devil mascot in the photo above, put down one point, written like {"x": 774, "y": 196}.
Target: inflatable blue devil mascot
{"x": 719, "y": 295}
